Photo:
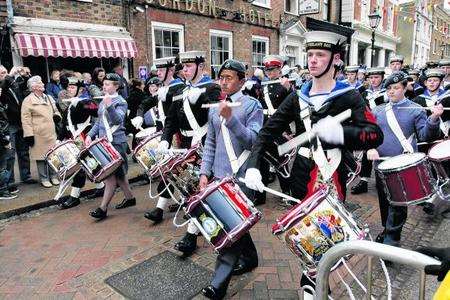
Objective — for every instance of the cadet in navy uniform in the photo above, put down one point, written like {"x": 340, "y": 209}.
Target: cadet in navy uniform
{"x": 374, "y": 95}
{"x": 411, "y": 122}
{"x": 444, "y": 64}
{"x": 241, "y": 124}
{"x": 187, "y": 117}
{"x": 112, "y": 112}
{"x": 352, "y": 79}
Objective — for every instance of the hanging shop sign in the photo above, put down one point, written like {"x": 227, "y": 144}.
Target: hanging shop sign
{"x": 209, "y": 8}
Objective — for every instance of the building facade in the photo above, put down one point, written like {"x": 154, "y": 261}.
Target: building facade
{"x": 386, "y": 38}
{"x": 415, "y": 28}
{"x": 440, "y": 34}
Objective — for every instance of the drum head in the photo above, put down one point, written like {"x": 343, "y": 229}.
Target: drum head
{"x": 401, "y": 161}
{"x": 440, "y": 151}
{"x": 146, "y": 132}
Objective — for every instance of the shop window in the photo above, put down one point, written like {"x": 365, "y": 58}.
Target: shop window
{"x": 168, "y": 39}
{"x": 291, "y": 6}
{"x": 221, "y": 45}
{"x": 260, "y": 48}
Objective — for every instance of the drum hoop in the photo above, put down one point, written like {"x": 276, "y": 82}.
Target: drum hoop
{"x": 388, "y": 171}
{"x": 107, "y": 168}
{"x": 56, "y": 146}
{"x": 144, "y": 141}
{"x": 194, "y": 199}
{"x": 438, "y": 159}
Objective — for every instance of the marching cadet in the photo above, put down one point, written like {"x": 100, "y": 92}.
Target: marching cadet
{"x": 187, "y": 117}
{"x": 411, "y": 122}
{"x": 444, "y": 64}
{"x": 350, "y": 76}
{"x": 416, "y": 87}
{"x": 161, "y": 100}
{"x": 396, "y": 63}
{"x": 236, "y": 127}
{"x": 374, "y": 95}
{"x": 313, "y": 107}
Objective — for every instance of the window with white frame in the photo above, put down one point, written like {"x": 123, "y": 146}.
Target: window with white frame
{"x": 260, "y": 48}
{"x": 168, "y": 39}
{"x": 325, "y": 10}
{"x": 221, "y": 45}
{"x": 291, "y": 6}
{"x": 263, "y": 3}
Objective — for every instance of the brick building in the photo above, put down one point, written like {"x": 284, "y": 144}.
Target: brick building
{"x": 440, "y": 35}
{"x": 73, "y": 34}
{"x": 223, "y": 28}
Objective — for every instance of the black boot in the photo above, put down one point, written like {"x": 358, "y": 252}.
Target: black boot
{"x": 188, "y": 244}
{"x": 126, "y": 203}
{"x": 211, "y": 292}
{"x": 380, "y": 237}
{"x": 155, "y": 215}
{"x": 97, "y": 193}
{"x": 360, "y": 188}
{"x": 98, "y": 213}
{"x": 69, "y": 203}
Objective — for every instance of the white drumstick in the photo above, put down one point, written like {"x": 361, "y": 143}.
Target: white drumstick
{"x": 306, "y": 136}
{"x": 427, "y": 143}
{"x": 229, "y": 104}
{"x": 276, "y": 193}
{"x": 426, "y": 108}
{"x": 173, "y": 151}
{"x": 276, "y": 81}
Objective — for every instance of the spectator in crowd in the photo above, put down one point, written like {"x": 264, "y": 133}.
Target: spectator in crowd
{"x": 13, "y": 102}
{"x": 96, "y": 87}
{"x": 3, "y": 72}
{"x": 87, "y": 79}
{"x": 39, "y": 115}
{"x": 21, "y": 76}
{"x": 134, "y": 100}
{"x": 124, "y": 89}
{"x": 5, "y": 148}
{"x": 54, "y": 86}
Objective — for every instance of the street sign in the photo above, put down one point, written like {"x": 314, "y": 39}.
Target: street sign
{"x": 308, "y": 7}
{"x": 143, "y": 72}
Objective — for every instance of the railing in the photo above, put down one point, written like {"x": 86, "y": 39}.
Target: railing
{"x": 393, "y": 254}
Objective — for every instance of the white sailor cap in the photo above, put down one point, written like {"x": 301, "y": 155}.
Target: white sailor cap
{"x": 375, "y": 71}
{"x": 325, "y": 40}
{"x": 444, "y": 62}
{"x": 434, "y": 73}
{"x": 395, "y": 58}
{"x": 164, "y": 62}
{"x": 351, "y": 69}
{"x": 192, "y": 56}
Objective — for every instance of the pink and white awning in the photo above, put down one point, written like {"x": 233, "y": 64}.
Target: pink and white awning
{"x": 33, "y": 44}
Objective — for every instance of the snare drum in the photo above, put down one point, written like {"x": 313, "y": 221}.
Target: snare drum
{"x": 282, "y": 164}
{"x": 100, "y": 159}
{"x": 313, "y": 226}
{"x": 183, "y": 171}
{"x": 143, "y": 134}
{"x": 222, "y": 213}
{"x": 439, "y": 156}
{"x": 407, "y": 179}
{"x": 62, "y": 158}
{"x": 147, "y": 156}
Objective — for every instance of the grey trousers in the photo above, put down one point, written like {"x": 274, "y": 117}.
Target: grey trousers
{"x": 44, "y": 171}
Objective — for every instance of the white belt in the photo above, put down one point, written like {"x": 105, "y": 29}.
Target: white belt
{"x": 196, "y": 135}
{"x": 235, "y": 162}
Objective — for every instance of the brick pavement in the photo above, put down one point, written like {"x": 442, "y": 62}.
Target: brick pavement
{"x": 65, "y": 254}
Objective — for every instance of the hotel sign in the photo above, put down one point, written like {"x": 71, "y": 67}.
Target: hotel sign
{"x": 308, "y": 7}
{"x": 209, "y": 8}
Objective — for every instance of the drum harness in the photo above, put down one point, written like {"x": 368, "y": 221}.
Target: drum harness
{"x": 395, "y": 127}
{"x": 433, "y": 100}
{"x": 270, "y": 109}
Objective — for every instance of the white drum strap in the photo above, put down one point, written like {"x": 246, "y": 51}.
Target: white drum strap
{"x": 395, "y": 127}
{"x": 197, "y": 132}
{"x": 371, "y": 97}
{"x": 328, "y": 163}
{"x": 236, "y": 162}
{"x": 162, "y": 115}
{"x": 270, "y": 108}
{"x": 109, "y": 130}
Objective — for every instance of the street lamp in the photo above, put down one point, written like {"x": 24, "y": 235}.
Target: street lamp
{"x": 374, "y": 19}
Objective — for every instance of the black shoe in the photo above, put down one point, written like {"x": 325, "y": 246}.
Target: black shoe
{"x": 30, "y": 181}
{"x": 211, "y": 292}
{"x": 98, "y": 213}
{"x": 242, "y": 268}
{"x": 155, "y": 215}
{"x": 96, "y": 193}
{"x": 126, "y": 203}
{"x": 428, "y": 208}
{"x": 69, "y": 203}
{"x": 380, "y": 237}
{"x": 360, "y": 188}
{"x": 173, "y": 207}
{"x": 13, "y": 189}
{"x": 6, "y": 195}
{"x": 188, "y": 244}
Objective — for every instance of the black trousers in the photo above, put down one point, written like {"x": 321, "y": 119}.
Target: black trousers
{"x": 79, "y": 180}
{"x": 162, "y": 187}
{"x": 366, "y": 166}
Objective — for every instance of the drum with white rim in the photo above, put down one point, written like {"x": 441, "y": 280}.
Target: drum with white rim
{"x": 439, "y": 156}
{"x": 407, "y": 179}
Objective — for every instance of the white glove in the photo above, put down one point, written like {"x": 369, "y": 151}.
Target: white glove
{"x": 194, "y": 93}
{"x": 330, "y": 131}
{"x": 253, "y": 180}
{"x": 137, "y": 122}
{"x": 74, "y": 101}
{"x": 162, "y": 92}
{"x": 163, "y": 147}
{"x": 248, "y": 85}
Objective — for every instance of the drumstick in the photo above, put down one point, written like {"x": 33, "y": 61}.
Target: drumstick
{"x": 213, "y": 105}
{"x": 306, "y": 136}
{"x": 174, "y": 151}
{"x": 426, "y": 143}
{"x": 426, "y": 108}
{"x": 276, "y": 81}
{"x": 274, "y": 192}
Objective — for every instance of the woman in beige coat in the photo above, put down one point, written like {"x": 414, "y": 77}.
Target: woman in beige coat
{"x": 39, "y": 113}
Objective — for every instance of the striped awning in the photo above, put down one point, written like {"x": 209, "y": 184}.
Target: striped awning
{"x": 33, "y": 44}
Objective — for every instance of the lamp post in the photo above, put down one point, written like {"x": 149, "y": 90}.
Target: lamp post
{"x": 374, "y": 19}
